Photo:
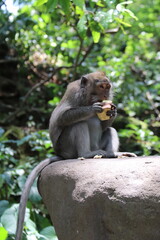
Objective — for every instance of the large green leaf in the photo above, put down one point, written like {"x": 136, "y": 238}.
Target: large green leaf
{"x": 96, "y": 36}
{"x": 48, "y": 233}
{"x": 95, "y": 30}
{"x": 3, "y": 233}
{"x": 9, "y": 219}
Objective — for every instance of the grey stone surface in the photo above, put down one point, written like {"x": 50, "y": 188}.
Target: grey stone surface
{"x": 103, "y": 199}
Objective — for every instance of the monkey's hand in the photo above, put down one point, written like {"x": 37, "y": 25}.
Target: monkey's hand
{"x": 97, "y": 107}
{"x": 112, "y": 112}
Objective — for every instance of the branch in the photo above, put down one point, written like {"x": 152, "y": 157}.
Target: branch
{"x": 9, "y": 60}
{"x": 36, "y": 73}
{"x": 14, "y": 114}
{"x": 77, "y": 59}
{"x": 87, "y": 53}
{"x": 42, "y": 82}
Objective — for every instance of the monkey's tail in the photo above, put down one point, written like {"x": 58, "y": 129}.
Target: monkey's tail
{"x": 25, "y": 193}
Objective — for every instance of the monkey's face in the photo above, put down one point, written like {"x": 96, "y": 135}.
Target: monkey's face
{"x": 97, "y": 86}
{"x": 101, "y": 90}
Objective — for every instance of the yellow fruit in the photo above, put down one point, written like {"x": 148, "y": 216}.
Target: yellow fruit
{"x": 107, "y": 107}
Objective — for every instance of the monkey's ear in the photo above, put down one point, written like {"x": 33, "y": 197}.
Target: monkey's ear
{"x": 84, "y": 81}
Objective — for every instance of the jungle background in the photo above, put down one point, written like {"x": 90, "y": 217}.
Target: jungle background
{"x": 46, "y": 45}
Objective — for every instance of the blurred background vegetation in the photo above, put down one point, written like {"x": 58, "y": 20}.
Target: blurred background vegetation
{"x": 46, "y": 44}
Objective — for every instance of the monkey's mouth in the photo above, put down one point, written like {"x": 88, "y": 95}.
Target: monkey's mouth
{"x": 95, "y": 99}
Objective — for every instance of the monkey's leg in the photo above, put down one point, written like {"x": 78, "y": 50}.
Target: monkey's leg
{"x": 110, "y": 142}
{"x": 95, "y": 132}
{"x": 83, "y": 143}
{"x": 74, "y": 142}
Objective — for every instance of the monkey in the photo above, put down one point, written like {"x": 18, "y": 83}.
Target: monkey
{"x": 76, "y": 131}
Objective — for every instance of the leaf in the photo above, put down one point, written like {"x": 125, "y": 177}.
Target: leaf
{"x": 3, "y": 206}
{"x": 9, "y": 219}
{"x": 31, "y": 226}
{"x": 95, "y": 30}
{"x": 54, "y": 101}
{"x": 23, "y": 140}
{"x": 79, "y": 3}
{"x": 49, "y": 233}
{"x": 51, "y": 4}
{"x": 131, "y": 14}
{"x": 46, "y": 18}
{"x": 3, "y": 233}
{"x": 82, "y": 26}
{"x": 96, "y": 36}
{"x": 79, "y": 11}
{"x": 65, "y": 4}
{"x": 21, "y": 181}
{"x": 122, "y": 22}
{"x": 120, "y": 6}
{"x": 34, "y": 194}
{"x": 40, "y": 2}
{"x": 104, "y": 18}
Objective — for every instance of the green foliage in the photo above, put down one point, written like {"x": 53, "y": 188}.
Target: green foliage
{"x": 3, "y": 233}
{"x": 15, "y": 164}
{"x": 50, "y": 43}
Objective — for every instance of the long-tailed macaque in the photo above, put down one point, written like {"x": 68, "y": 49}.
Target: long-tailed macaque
{"x": 76, "y": 131}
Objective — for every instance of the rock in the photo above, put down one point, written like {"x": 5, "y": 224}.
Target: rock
{"x": 103, "y": 199}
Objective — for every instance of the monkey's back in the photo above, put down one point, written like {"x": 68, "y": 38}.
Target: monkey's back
{"x": 68, "y": 101}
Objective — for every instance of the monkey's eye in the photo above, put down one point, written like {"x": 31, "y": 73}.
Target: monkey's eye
{"x": 96, "y": 80}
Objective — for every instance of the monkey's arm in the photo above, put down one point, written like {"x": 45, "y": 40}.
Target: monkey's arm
{"x": 25, "y": 194}
{"x": 78, "y": 114}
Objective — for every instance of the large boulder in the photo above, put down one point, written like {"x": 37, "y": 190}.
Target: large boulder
{"x": 103, "y": 199}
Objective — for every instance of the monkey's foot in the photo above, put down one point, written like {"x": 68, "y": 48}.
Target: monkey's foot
{"x": 125, "y": 154}
{"x": 97, "y": 156}
{"x": 81, "y": 158}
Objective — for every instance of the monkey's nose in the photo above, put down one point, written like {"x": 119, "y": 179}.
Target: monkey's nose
{"x": 108, "y": 86}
